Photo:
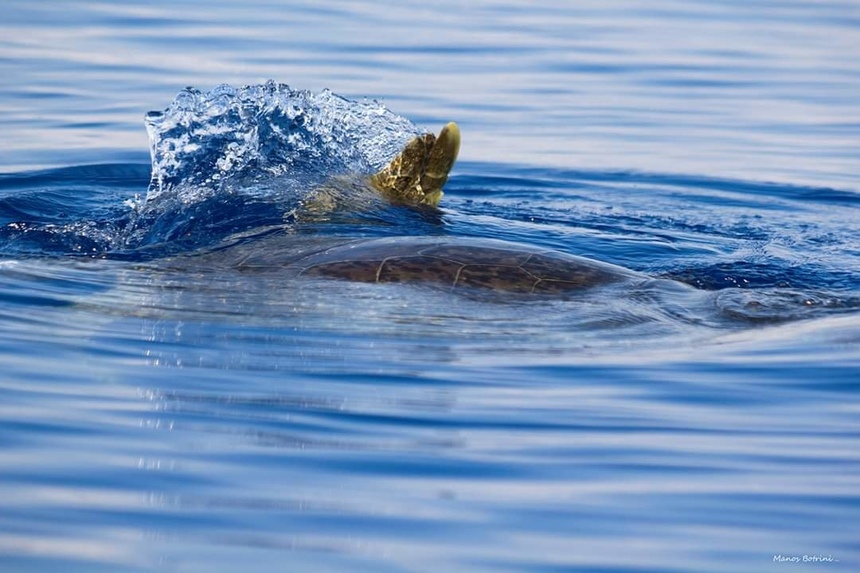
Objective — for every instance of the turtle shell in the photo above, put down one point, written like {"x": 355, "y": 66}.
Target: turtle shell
{"x": 460, "y": 263}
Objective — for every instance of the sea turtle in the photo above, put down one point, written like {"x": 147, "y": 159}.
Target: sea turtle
{"x": 415, "y": 178}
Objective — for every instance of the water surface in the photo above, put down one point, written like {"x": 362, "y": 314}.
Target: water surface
{"x": 163, "y": 410}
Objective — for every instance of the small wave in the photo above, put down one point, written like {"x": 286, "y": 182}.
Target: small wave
{"x": 765, "y": 305}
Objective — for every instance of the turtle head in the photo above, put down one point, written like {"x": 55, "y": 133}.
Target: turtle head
{"x": 417, "y": 174}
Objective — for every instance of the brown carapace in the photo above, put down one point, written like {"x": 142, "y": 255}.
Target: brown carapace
{"x": 460, "y": 264}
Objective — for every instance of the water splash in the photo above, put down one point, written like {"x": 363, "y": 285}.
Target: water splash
{"x": 232, "y": 159}
{"x": 209, "y": 139}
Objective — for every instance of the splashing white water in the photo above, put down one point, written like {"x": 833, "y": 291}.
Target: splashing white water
{"x": 209, "y": 139}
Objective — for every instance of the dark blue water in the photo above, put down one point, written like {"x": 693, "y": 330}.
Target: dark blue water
{"x": 161, "y": 409}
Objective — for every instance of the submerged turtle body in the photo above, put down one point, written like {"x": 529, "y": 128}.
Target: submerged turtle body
{"x": 415, "y": 178}
{"x": 460, "y": 264}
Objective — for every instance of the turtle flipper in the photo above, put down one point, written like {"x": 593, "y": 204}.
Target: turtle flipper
{"x": 416, "y": 176}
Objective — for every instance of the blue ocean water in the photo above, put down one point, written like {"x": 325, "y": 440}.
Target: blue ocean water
{"x": 164, "y": 410}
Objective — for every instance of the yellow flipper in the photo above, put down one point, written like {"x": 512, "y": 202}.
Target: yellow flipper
{"x": 416, "y": 176}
